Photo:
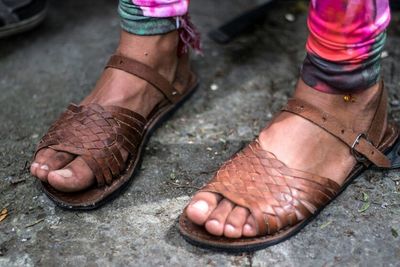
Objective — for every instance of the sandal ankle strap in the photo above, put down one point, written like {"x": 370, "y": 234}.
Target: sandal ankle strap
{"x": 146, "y": 73}
{"x": 362, "y": 145}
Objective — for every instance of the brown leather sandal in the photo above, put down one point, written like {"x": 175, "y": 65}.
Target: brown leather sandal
{"x": 278, "y": 196}
{"x": 97, "y": 134}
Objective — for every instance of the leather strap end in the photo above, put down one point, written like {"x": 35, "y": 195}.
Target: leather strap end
{"x": 381, "y": 161}
{"x": 370, "y": 152}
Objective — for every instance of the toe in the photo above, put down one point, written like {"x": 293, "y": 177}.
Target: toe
{"x": 39, "y": 168}
{"x": 47, "y": 160}
{"x": 43, "y": 155}
{"x": 235, "y": 222}
{"x": 42, "y": 171}
{"x": 59, "y": 160}
{"x": 201, "y": 206}
{"x": 33, "y": 168}
{"x": 39, "y": 159}
{"x": 74, "y": 177}
{"x": 249, "y": 228}
{"x": 216, "y": 221}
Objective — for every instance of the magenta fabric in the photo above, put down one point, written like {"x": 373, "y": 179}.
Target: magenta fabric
{"x": 346, "y": 39}
{"x": 162, "y": 8}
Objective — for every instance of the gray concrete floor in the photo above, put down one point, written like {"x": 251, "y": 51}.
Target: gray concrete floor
{"x": 59, "y": 62}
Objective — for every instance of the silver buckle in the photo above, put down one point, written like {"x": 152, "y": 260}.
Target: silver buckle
{"x": 357, "y": 155}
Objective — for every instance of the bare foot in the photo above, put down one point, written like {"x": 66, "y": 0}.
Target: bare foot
{"x": 301, "y": 145}
{"x": 68, "y": 173}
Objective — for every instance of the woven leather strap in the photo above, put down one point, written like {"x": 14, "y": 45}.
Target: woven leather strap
{"x": 276, "y": 195}
{"x": 279, "y": 197}
{"x": 146, "y": 73}
{"x": 97, "y": 134}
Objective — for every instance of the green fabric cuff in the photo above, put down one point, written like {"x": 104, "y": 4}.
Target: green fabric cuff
{"x": 133, "y": 21}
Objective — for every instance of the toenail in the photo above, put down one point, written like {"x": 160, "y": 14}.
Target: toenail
{"x": 64, "y": 173}
{"x": 215, "y": 223}
{"x": 44, "y": 167}
{"x": 201, "y": 206}
{"x": 35, "y": 165}
{"x": 229, "y": 228}
{"x": 247, "y": 227}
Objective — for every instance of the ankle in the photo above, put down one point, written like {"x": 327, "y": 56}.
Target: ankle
{"x": 355, "y": 110}
{"x": 166, "y": 43}
{"x": 157, "y": 51}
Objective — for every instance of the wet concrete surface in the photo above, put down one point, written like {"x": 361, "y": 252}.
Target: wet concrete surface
{"x": 242, "y": 85}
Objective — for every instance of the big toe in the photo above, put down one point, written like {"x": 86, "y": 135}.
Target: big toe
{"x": 201, "y": 206}
{"x": 76, "y": 176}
